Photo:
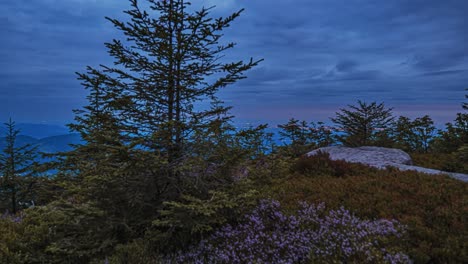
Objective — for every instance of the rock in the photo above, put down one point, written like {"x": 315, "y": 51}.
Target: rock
{"x": 381, "y": 158}
{"x": 374, "y": 156}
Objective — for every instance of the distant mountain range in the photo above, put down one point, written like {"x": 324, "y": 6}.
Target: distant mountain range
{"x": 51, "y": 144}
{"x": 40, "y": 131}
{"x": 47, "y": 138}
{"x": 54, "y": 138}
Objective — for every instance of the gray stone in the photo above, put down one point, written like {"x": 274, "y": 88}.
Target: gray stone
{"x": 381, "y": 158}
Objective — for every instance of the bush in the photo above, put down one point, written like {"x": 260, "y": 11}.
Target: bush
{"x": 134, "y": 252}
{"x": 9, "y": 230}
{"x": 321, "y": 164}
{"x": 440, "y": 161}
{"x": 61, "y": 232}
{"x": 433, "y": 207}
{"x": 312, "y": 235}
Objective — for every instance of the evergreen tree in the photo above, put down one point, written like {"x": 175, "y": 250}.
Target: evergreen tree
{"x": 16, "y": 164}
{"x": 142, "y": 129}
{"x": 321, "y": 134}
{"x": 462, "y": 152}
{"x": 166, "y": 65}
{"x": 302, "y": 137}
{"x": 404, "y": 133}
{"x": 416, "y": 135}
{"x": 454, "y": 136}
{"x": 363, "y": 124}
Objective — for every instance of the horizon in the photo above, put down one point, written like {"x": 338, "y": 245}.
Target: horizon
{"x": 319, "y": 56}
{"x": 444, "y": 114}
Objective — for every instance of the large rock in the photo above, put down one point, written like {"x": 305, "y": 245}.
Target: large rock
{"x": 380, "y": 158}
{"x": 374, "y": 156}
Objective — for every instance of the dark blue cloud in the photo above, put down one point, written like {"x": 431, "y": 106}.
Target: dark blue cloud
{"x": 319, "y": 55}
{"x": 346, "y": 65}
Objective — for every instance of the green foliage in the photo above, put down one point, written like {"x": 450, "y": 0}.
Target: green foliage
{"x": 136, "y": 251}
{"x": 9, "y": 248}
{"x": 16, "y": 162}
{"x": 462, "y": 153}
{"x": 321, "y": 165}
{"x": 150, "y": 92}
{"x": 433, "y": 207}
{"x": 301, "y": 137}
{"x": 255, "y": 141}
{"x": 60, "y": 231}
{"x": 145, "y": 140}
{"x": 186, "y": 221}
{"x": 454, "y": 135}
{"x": 452, "y": 143}
{"x": 321, "y": 134}
{"x": 221, "y": 155}
{"x": 438, "y": 161}
{"x": 364, "y": 124}
{"x": 156, "y": 174}
{"x": 416, "y": 135}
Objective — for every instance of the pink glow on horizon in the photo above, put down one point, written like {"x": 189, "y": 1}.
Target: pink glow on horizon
{"x": 441, "y": 114}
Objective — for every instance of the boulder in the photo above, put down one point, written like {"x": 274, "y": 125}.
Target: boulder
{"x": 381, "y": 158}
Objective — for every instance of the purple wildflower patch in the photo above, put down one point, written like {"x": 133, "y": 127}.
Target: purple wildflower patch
{"x": 11, "y": 217}
{"x": 267, "y": 235}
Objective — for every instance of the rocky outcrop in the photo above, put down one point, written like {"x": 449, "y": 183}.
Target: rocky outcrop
{"x": 381, "y": 158}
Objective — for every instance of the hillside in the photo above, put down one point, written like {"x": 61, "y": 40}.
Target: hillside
{"x": 49, "y": 144}
{"x": 41, "y": 130}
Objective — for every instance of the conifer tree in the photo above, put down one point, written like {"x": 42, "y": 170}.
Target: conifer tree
{"x": 303, "y": 137}
{"x": 415, "y": 135}
{"x": 295, "y": 131}
{"x": 141, "y": 125}
{"x": 363, "y": 124}
{"x": 170, "y": 63}
{"x": 16, "y": 163}
{"x": 165, "y": 65}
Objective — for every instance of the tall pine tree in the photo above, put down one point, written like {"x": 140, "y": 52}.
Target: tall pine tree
{"x": 142, "y": 121}
{"x": 164, "y": 67}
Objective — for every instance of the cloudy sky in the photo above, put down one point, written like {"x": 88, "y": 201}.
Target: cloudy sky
{"x": 320, "y": 55}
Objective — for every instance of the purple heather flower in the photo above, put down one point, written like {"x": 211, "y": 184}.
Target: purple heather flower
{"x": 267, "y": 235}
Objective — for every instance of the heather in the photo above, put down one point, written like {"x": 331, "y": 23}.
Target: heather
{"x": 311, "y": 235}
{"x": 432, "y": 207}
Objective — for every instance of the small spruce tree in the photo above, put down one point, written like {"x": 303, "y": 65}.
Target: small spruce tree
{"x": 300, "y": 137}
{"x": 416, "y": 135}
{"x": 363, "y": 124}
{"x": 16, "y": 164}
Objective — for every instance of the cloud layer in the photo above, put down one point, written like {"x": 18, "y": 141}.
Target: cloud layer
{"x": 319, "y": 55}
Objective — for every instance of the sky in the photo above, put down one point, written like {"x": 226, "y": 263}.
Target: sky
{"x": 319, "y": 56}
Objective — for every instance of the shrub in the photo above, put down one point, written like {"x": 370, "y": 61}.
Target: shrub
{"x": 299, "y": 137}
{"x": 9, "y": 230}
{"x": 268, "y": 235}
{"x": 433, "y": 207}
{"x": 134, "y": 252}
{"x": 184, "y": 222}
{"x": 321, "y": 164}
{"x": 440, "y": 161}
{"x": 61, "y": 232}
